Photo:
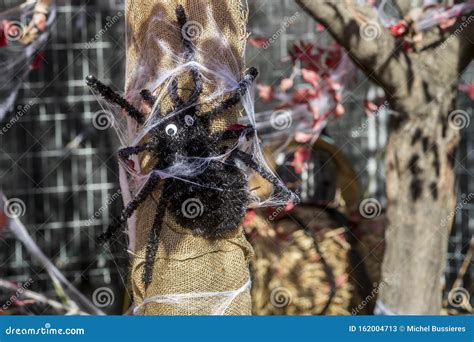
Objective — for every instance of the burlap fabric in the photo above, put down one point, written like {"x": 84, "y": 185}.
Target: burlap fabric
{"x": 289, "y": 276}
{"x": 184, "y": 263}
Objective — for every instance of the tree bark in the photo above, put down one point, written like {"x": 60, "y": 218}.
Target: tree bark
{"x": 421, "y": 88}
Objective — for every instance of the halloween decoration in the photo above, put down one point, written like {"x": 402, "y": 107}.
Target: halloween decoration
{"x": 201, "y": 174}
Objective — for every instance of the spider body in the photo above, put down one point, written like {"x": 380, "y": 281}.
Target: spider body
{"x": 198, "y": 171}
{"x": 211, "y": 201}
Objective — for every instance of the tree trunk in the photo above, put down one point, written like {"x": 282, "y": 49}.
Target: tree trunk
{"x": 420, "y": 184}
{"x": 421, "y": 87}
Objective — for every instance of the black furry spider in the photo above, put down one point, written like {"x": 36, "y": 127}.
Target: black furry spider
{"x": 221, "y": 188}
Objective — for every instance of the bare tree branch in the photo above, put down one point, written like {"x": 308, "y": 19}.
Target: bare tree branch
{"x": 370, "y": 45}
{"x": 402, "y": 6}
{"x": 382, "y": 57}
{"x": 39, "y": 298}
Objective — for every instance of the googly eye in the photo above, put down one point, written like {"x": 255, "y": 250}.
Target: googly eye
{"x": 171, "y": 129}
{"x": 188, "y": 119}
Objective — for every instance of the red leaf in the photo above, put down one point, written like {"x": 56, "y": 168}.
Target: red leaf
{"x": 320, "y": 28}
{"x": 370, "y": 106}
{"x": 303, "y": 137}
{"x": 469, "y": 89}
{"x": 399, "y": 29}
{"x": 249, "y": 217}
{"x": 265, "y": 92}
{"x": 316, "y": 112}
{"x": 259, "y": 42}
{"x": 37, "y": 60}
{"x": 334, "y": 56}
{"x": 303, "y": 52}
{"x": 341, "y": 280}
{"x": 311, "y": 77}
{"x": 301, "y": 156}
{"x": 339, "y": 110}
{"x": 3, "y": 36}
{"x": 406, "y": 46}
{"x": 286, "y": 84}
{"x": 236, "y": 127}
{"x": 3, "y": 220}
{"x": 304, "y": 95}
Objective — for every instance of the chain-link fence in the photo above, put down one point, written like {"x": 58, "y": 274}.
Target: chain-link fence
{"x": 57, "y": 162}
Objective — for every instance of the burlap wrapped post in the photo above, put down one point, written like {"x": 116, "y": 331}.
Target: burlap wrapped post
{"x": 184, "y": 263}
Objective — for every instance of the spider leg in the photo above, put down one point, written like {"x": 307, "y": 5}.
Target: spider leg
{"x": 108, "y": 94}
{"x": 152, "y": 244}
{"x": 173, "y": 90}
{"x": 242, "y": 88}
{"x": 148, "y": 97}
{"x": 126, "y": 152}
{"x": 189, "y": 54}
{"x": 248, "y": 160}
{"x": 147, "y": 189}
{"x": 248, "y": 131}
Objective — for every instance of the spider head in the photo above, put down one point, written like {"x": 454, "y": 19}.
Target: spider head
{"x": 179, "y": 126}
{"x": 183, "y": 133}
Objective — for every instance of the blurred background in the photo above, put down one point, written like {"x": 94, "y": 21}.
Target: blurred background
{"x": 65, "y": 170}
